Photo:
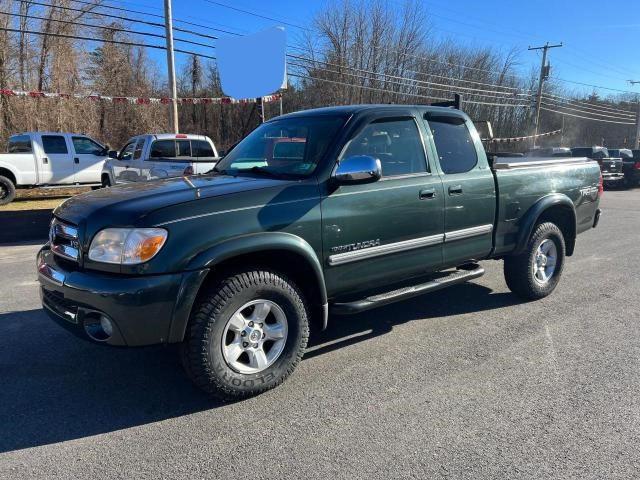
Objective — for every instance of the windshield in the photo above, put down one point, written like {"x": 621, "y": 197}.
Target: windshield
{"x": 287, "y": 147}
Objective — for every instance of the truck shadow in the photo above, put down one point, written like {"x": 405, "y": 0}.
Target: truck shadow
{"x": 56, "y": 387}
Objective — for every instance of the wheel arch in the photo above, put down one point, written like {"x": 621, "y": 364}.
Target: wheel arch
{"x": 279, "y": 251}
{"x": 556, "y": 208}
{"x": 8, "y": 173}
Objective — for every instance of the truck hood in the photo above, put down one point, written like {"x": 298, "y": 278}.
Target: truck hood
{"x": 124, "y": 205}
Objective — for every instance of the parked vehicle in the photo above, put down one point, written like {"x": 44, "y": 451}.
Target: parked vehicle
{"x": 37, "y": 159}
{"x": 382, "y": 203}
{"x": 550, "y": 152}
{"x": 630, "y": 165}
{"x": 152, "y": 156}
{"x": 610, "y": 167}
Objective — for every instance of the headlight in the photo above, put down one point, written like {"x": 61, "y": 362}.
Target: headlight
{"x": 127, "y": 246}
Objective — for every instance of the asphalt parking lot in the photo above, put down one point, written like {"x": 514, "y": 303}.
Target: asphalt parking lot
{"x": 465, "y": 383}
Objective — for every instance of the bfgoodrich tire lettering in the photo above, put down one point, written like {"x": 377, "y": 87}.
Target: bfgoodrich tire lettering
{"x": 520, "y": 270}
{"x": 202, "y": 351}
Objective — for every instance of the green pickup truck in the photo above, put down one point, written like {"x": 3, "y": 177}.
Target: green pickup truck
{"x": 327, "y": 211}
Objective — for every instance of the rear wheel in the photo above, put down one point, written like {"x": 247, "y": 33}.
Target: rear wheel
{"x": 7, "y": 190}
{"x": 535, "y": 273}
{"x": 246, "y": 335}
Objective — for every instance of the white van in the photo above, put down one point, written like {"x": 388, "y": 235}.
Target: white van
{"x": 151, "y": 156}
{"x": 37, "y": 159}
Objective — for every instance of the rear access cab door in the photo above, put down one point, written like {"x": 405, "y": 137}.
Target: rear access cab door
{"x": 468, "y": 183}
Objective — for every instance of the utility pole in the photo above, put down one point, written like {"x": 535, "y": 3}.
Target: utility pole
{"x": 171, "y": 66}
{"x": 544, "y": 74}
{"x": 636, "y": 143}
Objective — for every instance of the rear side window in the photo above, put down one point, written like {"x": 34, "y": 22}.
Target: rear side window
{"x": 163, "y": 149}
{"x": 84, "y": 145}
{"x": 396, "y": 142}
{"x": 54, "y": 144}
{"x": 201, "y": 148}
{"x": 20, "y": 144}
{"x": 456, "y": 150}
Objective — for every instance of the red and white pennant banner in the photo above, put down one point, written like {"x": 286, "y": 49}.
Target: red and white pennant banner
{"x": 137, "y": 100}
{"x": 522, "y": 139}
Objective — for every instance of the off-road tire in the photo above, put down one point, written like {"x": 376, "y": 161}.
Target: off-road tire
{"x": 518, "y": 269}
{"x": 201, "y": 350}
{"x": 8, "y": 189}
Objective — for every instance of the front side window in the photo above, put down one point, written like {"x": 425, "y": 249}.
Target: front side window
{"x": 54, "y": 144}
{"x": 395, "y": 142}
{"x": 86, "y": 146}
{"x": 20, "y": 144}
{"x": 456, "y": 150}
{"x": 291, "y": 147}
{"x": 127, "y": 152}
{"x": 137, "y": 153}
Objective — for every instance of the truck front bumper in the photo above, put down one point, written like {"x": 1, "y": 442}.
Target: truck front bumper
{"x": 136, "y": 311}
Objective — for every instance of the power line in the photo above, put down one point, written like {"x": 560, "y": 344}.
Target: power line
{"x": 400, "y": 83}
{"x": 591, "y": 107}
{"x": 155, "y": 15}
{"x": 558, "y": 105}
{"x": 403, "y": 78}
{"x": 258, "y": 15}
{"x": 401, "y": 93}
{"x": 118, "y": 17}
{"x": 104, "y": 27}
{"x": 585, "y": 118}
{"x": 506, "y": 87}
{"x": 591, "y": 85}
{"x": 102, "y": 40}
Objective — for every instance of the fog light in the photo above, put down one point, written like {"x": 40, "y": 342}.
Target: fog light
{"x": 106, "y": 325}
{"x": 98, "y": 327}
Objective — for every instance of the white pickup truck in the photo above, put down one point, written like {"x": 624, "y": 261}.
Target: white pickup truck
{"x": 37, "y": 159}
{"x": 151, "y": 156}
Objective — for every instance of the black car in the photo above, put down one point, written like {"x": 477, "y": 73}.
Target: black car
{"x": 610, "y": 166}
{"x": 631, "y": 168}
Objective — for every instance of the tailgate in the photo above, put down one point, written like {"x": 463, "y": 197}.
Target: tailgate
{"x": 610, "y": 165}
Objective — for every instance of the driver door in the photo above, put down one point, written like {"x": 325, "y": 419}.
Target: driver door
{"x": 384, "y": 232}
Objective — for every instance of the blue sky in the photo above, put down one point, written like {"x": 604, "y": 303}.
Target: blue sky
{"x": 600, "y": 38}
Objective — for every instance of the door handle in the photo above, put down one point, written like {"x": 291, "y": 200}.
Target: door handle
{"x": 455, "y": 190}
{"x": 45, "y": 160}
{"x": 76, "y": 160}
{"x": 427, "y": 193}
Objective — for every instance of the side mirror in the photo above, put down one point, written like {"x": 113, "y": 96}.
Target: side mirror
{"x": 358, "y": 169}
{"x": 113, "y": 154}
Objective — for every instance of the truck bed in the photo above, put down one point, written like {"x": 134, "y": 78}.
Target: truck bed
{"x": 520, "y": 183}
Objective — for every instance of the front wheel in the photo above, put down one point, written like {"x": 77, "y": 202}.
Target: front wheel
{"x": 246, "y": 335}
{"x": 535, "y": 273}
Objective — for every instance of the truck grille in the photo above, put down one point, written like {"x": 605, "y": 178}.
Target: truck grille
{"x": 63, "y": 238}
